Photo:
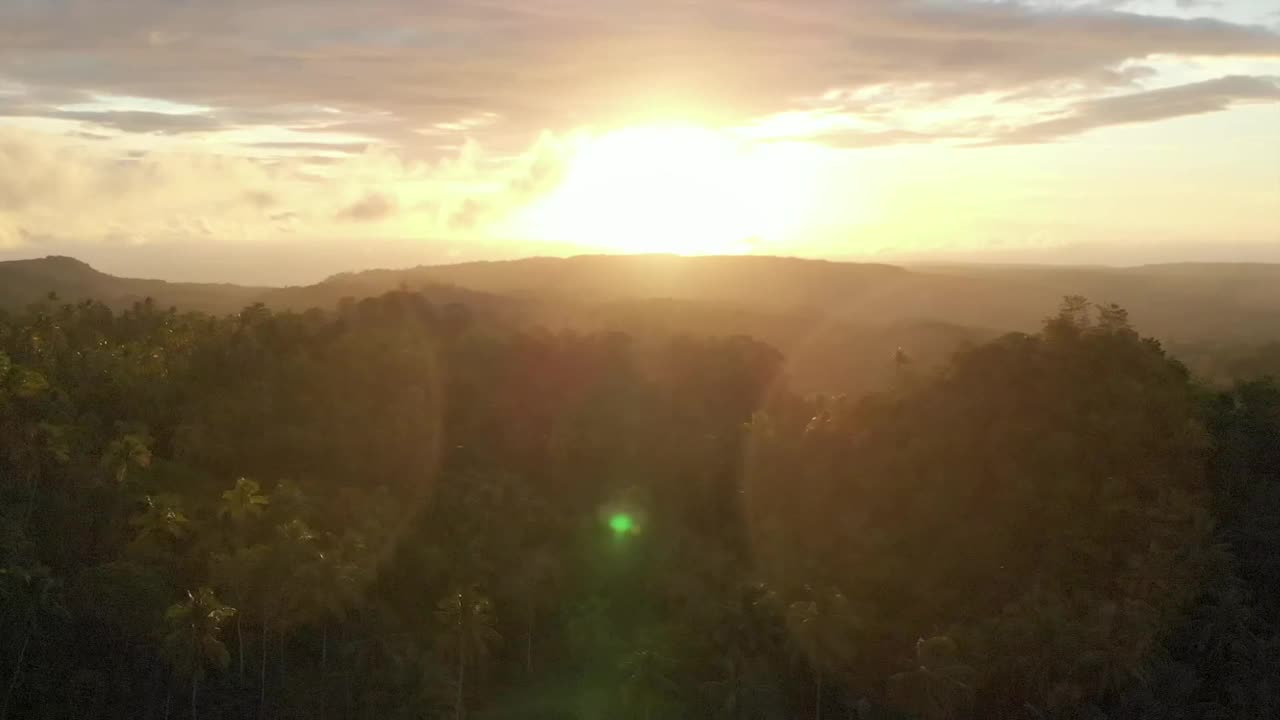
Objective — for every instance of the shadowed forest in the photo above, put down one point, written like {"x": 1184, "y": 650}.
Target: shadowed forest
{"x": 406, "y": 508}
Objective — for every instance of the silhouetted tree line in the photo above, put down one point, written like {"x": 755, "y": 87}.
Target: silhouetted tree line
{"x": 400, "y": 510}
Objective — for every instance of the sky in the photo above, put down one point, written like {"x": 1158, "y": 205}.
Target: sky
{"x": 278, "y": 141}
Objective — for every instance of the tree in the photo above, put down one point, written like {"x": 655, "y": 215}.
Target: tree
{"x": 129, "y": 452}
{"x": 241, "y": 565}
{"x": 534, "y": 582}
{"x": 741, "y": 690}
{"x": 469, "y": 636}
{"x": 33, "y": 589}
{"x": 160, "y": 524}
{"x": 244, "y": 572}
{"x": 648, "y": 680}
{"x": 939, "y": 688}
{"x": 332, "y": 580}
{"x": 820, "y": 626}
{"x": 192, "y": 641}
{"x": 243, "y": 503}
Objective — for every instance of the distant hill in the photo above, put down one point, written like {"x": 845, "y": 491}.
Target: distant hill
{"x": 1188, "y": 302}
{"x": 748, "y": 280}
{"x": 26, "y": 281}
{"x": 1196, "y": 302}
{"x": 840, "y": 324}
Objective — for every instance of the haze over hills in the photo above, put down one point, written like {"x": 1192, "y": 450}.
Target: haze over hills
{"x": 25, "y": 281}
{"x": 834, "y": 320}
{"x": 1186, "y": 301}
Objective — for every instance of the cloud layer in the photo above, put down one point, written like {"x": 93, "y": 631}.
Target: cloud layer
{"x": 62, "y": 188}
{"x": 399, "y": 69}
{"x": 238, "y": 120}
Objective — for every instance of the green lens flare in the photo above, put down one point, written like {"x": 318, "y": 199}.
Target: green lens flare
{"x": 621, "y": 523}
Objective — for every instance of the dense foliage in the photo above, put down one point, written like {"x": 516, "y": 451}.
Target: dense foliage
{"x": 407, "y": 510}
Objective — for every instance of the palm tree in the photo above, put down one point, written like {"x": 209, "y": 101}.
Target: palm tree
{"x": 647, "y": 679}
{"x": 469, "y": 637}
{"x": 746, "y": 635}
{"x": 242, "y": 503}
{"x": 939, "y": 688}
{"x": 819, "y": 626}
{"x": 241, "y": 572}
{"x": 161, "y": 522}
{"x": 742, "y": 690}
{"x": 192, "y": 641}
{"x": 286, "y": 595}
{"x": 534, "y": 581}
{"x": 129, "y": 451}
{"x": 332, "y": 580}
{"x": 41, "y": 591}
{"x": 238, "y": 508}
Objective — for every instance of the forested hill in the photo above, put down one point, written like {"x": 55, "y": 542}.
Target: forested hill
{"x": 1183, "y": 302}
{"x": 26, "y": 281}
{"x": 396, "y": 509}
{"x": 839, "y": 324}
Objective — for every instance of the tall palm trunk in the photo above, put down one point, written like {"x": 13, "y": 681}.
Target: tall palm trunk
{"x": 283, "y": 632}
{"x": 528, "y": 642}
{"x": 817, "y": 704}
{"x": 324, "y": 666}
{"x": 458, "y": 710}
{"x": 30, "y": 509}
{"x": 17, "y": 670}
{"x": 196, "y": 659}
{"x": 347, "y": 702}
{"x": 324, "y": 649}
{"x": 240, "y": 638}
{"x": 262, "y": 676}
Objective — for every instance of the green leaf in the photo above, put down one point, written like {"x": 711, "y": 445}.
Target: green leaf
{"x": 28, "y": 384}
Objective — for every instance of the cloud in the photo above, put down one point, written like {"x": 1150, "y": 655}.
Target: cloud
{"x": 59, "y": 104}
{"x": 371, "y": 208}
{"x": 138, "y": 121}
{"x": 260, "y": 199}
{"x": 86, "y": 192}
{"x": 1198, "y": 4}
{"x": 336, "y": 147}
{"x": 68, "y": 190}
{"x": 872, "y": 138}
{"x": 537, "y": 173}
{"x": 1180, "y": 100}
{"x": 502, "y": 71}
{"x": 249, "y": 120}
{"x": 10, "y": 236}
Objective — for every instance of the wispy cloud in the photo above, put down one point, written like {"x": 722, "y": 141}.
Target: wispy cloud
{"x": 70, "y": 189}
{"x": 371, "y": 208}
{"x": 306, "y": 146}
{"x": 1189, "y": 99}
{"x": 506, "y": 69}
{"x": 249, "y": 119}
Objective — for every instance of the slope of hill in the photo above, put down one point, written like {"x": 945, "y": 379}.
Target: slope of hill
{"x": 750, "y": 280}
{"x": 1187, "y": 302}
{"x": 839, "y": 323}
{"x": 357, "y": 286}
{"x": 25, "y": 281}
{"x": 778, "y": 300}
{"x": 1233, "y": 302}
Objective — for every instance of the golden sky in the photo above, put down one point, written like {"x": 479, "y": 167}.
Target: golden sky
{"x": 275, "y": 141}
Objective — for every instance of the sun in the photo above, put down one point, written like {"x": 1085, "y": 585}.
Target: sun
{"x": 681, "y": 190}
